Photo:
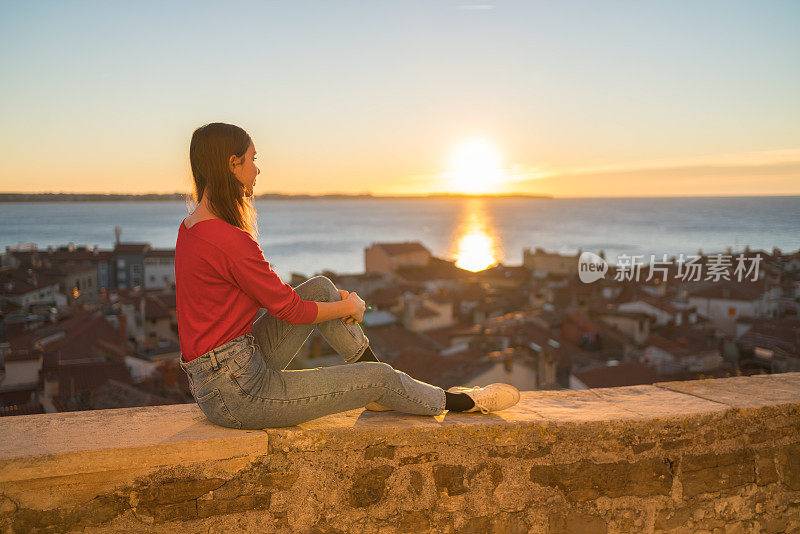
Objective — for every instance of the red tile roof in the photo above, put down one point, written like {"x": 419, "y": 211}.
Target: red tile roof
{"x": 82, "y": 338}
{"x": 728, "y": 291}
{"x": 131, "y": 248}
{"x": 421, "y": 311}
{"x": 684, "y": 340}
{"x": 781, "y": 335}
{"x": 442, "y": 371}
{"x": 20, "y": 281}
{"x": 584, "y": 323}
{"x": 406, "y": 247}
{"x": 437, "y": 269}
{"x": 155, "y": 309}
{"x": 81, "y": 377}
{"x": 442, "y": 336}
{"x": 28, "y": 408}
{"x": 623, "y": 374}
{"x": 656, "y": 302}
{"x": 390, "y": 340}
{"x": 168, "y": 253}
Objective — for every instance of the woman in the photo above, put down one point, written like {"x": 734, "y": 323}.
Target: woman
{"x": 237, "y": 367}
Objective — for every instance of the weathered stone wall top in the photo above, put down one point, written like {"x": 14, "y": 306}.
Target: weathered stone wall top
{"x": 605, "y": 460}
{"x": 183, "y": 426}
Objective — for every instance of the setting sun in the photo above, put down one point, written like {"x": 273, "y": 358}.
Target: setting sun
{"x": 475, "y": 167}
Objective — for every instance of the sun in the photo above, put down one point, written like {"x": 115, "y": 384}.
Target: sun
{"x": 475, "y": 167}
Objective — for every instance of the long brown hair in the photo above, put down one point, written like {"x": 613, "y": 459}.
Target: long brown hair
{"x": 211, "y": 147}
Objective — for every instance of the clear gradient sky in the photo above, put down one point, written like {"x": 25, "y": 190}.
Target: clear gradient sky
{"x": 406, "y": 97}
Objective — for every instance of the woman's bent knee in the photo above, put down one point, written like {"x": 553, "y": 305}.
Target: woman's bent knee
{"x": 323, "y": 289}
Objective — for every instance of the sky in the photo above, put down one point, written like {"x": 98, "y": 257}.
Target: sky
{"x": 570, "y": 99}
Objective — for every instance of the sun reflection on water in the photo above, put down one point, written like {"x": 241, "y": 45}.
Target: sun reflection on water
{"x": 476, "y": 244}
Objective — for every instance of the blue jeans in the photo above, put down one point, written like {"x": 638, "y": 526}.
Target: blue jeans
{"x": 244, "y": 383}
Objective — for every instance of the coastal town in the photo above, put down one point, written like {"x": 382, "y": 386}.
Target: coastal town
{"x": 83, "y": 328}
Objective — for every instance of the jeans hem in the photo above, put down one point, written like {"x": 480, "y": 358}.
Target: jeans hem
{"x": 360, "y": 351}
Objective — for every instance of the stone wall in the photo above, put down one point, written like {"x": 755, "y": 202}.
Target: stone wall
{"x": 703, "y": 456}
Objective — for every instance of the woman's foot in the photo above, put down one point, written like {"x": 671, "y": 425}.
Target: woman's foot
{"x": 491, "y": 398}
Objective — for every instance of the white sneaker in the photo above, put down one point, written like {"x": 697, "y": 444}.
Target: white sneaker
{"x": 492, "y": 398}
{"x": 375, "y": 407}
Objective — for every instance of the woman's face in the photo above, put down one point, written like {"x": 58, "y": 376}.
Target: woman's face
{"x": 245, "y": 170}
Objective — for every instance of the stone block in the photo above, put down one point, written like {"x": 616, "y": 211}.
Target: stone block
{"x": 575, "y": 522}
{"x": 789, "y": 462}
{"x": 585, "y": 480}
{"x": 765, "y": 467}
{"x": 739, "y": 391}
{"x": 414, "y": 521}
{"x": 450, "y": 478}
{"x": 369, "y": 485}
{"x": 379, "y": 451}
{"x": 711, "y": 472}
{"x": 415, "y": 482}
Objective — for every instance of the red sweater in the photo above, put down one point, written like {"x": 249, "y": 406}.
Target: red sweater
{"x": 221, "y": 281}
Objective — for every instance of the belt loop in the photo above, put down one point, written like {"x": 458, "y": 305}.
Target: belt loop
{"x": 214, "y": 362}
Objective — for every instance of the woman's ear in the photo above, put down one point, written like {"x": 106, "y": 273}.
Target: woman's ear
{"x": 232, "y": 163}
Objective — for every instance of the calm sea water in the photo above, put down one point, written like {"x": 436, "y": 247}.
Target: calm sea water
{"x": 307, "y": 236}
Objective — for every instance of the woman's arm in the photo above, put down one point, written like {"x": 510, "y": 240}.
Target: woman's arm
{"x": 334, "y": 310}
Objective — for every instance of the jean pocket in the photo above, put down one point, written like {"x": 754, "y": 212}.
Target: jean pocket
{"x": 251, "y": 374}
{"x": 216, "y": 411}
{"x": 242, "y": 361}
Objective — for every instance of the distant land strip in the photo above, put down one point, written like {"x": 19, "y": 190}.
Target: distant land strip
{"x": 116, "y": 197}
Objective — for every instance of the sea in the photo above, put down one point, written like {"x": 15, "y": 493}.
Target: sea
{"x": 309, "y": 236}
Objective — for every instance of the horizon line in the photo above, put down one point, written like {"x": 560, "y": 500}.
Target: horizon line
{"x": 413, "y": 195}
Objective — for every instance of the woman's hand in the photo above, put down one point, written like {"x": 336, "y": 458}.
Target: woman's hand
{"x": 360, "y": 307}
{"x": 344, "y": 293}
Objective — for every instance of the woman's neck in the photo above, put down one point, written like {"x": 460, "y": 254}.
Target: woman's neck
{"x": 203, "y": 210}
